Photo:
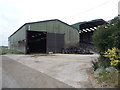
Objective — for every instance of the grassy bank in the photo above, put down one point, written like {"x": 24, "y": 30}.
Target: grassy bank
{"x": 5, "y": 50}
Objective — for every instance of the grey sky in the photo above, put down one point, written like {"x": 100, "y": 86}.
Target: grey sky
{"x": 14, "y": 13}
{"x": 119, "y": 7}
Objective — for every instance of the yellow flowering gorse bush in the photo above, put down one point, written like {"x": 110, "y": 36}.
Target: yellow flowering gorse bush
{"x": 114, "y": 55}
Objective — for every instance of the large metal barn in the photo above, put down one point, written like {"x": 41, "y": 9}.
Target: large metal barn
{"x": 43, "y": 37}
{"x": 86, "y": 29}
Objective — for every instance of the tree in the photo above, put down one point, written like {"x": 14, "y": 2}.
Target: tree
{"x": 108, "y": 35}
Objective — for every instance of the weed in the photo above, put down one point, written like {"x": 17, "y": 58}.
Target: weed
{"x": 95, "y": 65}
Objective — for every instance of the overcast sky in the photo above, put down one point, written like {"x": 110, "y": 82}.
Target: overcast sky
{"x": 14, "y": 13}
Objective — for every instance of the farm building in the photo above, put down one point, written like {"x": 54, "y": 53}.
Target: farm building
{"x": 87, "y": 28}
{"x": 43, "y": 37}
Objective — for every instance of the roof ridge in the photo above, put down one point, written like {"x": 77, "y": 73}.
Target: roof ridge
{"x": 41, "y": 21}
{"x": 88, "y": 21}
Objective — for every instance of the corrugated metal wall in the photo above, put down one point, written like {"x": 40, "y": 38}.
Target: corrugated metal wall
{"x": 55, "y": 42}
{"x": 18, "y": 40}
{"x": 71, "y": 34}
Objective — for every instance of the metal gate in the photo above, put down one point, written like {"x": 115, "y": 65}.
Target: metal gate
{"x": 55, "y": 42}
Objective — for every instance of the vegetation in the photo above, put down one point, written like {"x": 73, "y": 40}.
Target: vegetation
{"x": 107, "y": 36}
{"x": 114, "y": 57}
{"x": 107, "y": 75}
{"x": 5, "y": 50}
{"x": 107, "y": 40}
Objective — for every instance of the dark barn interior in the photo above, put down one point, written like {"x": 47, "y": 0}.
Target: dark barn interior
{"x": 86, "y": 37}
{"x": 87, "y": 29}
{"x": 36, "y": 42}
{"x": 43, "y": 42}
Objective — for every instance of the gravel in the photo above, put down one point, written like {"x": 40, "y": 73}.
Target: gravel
{"x": 68, "y": 68}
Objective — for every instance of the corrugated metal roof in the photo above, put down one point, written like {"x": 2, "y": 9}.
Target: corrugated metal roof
{"x": 42, "y": 22}
{"x": 76, "y": 25}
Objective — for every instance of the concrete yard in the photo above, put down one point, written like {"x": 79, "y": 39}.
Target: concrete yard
{"x": 17, "y": 75}
{"x": 66, "y": 68}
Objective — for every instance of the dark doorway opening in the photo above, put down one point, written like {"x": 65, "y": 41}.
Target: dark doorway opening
{"x": 36, "y": 42}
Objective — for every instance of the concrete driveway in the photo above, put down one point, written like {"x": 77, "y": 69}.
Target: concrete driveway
{"x": 17, "y": 75}
{"x": 67, "y": 68}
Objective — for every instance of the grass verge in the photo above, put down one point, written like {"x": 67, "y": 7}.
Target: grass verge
{"x": 4, "y": 50}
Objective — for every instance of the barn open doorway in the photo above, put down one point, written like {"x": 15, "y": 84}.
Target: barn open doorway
{"x": 36, "y": 42}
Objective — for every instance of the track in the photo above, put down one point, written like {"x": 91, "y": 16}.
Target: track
{"x": 17, "y": 75}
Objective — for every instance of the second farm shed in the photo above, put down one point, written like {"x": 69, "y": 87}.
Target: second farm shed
{"x": 43, "y": 37}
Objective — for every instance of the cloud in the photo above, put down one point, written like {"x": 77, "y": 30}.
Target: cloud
{"x": 10, "y": 20}
{"x": 14, "y": 13}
